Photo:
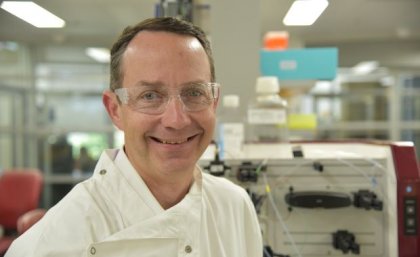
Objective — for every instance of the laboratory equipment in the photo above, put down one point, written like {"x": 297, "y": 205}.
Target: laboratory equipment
{"x": 267, "y": 115}
{"x": 333, "y": 198}
{"x": 230, "y": 127}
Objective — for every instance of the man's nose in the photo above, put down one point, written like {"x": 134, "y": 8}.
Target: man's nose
{"x": 175, "y": 115}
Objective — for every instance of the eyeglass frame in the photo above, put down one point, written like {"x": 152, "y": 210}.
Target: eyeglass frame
{"x": 123, "y": 97}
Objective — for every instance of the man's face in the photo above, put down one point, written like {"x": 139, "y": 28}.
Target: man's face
{"x": 173, "y": 141}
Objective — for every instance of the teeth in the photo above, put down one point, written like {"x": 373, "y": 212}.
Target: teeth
{"x": 173, "y": 142}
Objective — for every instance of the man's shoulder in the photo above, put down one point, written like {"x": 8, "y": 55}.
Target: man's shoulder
{"x": 220, "y": 182}
{"x": 222, "y": 186}
{"x": 68, "y": 220}
{"x": 78, "y": 204}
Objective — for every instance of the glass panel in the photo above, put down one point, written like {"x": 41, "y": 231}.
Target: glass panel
{"x": 350, "y": 102}
{"x": 12, "y": 127}
{"x": 19, "y": 129}
{"x": 75, "y": 152}
{"x": 411, "y": 99}
{"x": 364, "y": 101}
{"x": 15, "y": 70}
{"x": 6, "y": 109}
{"x": 73, "y": 111}
{"x": 328, "y": 109}
{"x": 69, "y": 158}
{"x": 6, "y": 153}
{"x": 77, "y": 77}
{"x": 93, "y": 144}
{"x": 412, "y": 136}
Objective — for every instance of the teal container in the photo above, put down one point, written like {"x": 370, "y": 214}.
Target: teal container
{"x": 300, "y": 64}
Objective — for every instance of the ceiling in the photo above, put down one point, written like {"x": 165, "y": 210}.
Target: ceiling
{"x": 98, "y": 22}
{"x": 352, "y": 21}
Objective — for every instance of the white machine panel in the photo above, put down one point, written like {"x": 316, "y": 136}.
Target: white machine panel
{"x": 321, "y": 199}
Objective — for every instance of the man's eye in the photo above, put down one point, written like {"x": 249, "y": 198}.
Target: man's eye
{"x": 194, "y": 92}
{"x": 149, "y": 96}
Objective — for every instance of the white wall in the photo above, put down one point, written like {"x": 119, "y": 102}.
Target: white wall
{"x": 235, "y": 35}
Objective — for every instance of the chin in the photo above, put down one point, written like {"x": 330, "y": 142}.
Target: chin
{"x": 178, "y": 167}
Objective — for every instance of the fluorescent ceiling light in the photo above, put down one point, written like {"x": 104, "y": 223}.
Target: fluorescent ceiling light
{"x": 99, "y": 54}
{"x": 304, "y": 12}
{"x": 33, "y": 14}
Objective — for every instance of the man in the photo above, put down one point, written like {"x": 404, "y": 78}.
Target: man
{"x": 150, "y": 198}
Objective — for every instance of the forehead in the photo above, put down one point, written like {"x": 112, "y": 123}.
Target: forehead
{"x": 151, "y": 44}
{"x": 156, "y": 55}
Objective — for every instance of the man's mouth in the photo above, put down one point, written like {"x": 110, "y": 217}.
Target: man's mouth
{"x": 172, "y": 141}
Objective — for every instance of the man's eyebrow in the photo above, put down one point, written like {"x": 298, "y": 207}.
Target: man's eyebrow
{"x": 194, "y": 82}
{"x": 143, "y": 83}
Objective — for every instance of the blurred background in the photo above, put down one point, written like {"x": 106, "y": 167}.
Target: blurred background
{"x": 52, "y": 116}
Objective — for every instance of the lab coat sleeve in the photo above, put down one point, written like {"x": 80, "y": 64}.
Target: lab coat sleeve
{"x": 65, "y": 230}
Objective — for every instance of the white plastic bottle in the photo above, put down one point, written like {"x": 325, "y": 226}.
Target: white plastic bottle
{"x": 267, "y": 115}
{"x": 230, "y": 129}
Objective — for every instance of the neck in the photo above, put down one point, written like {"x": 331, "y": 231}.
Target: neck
{"x": 169, "y": 190}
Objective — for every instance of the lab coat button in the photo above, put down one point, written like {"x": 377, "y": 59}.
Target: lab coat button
{"x": 188, "y": 249}
{"x": 92, "y": 250}
{"x": 102, "y": 172}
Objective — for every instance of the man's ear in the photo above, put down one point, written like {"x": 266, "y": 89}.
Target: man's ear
{"x": 113, "y": 107}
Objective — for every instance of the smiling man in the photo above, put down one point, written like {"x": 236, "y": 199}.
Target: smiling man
{"x": 150, "y": 198}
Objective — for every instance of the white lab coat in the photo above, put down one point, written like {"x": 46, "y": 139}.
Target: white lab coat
{"x": 114, "y": 214}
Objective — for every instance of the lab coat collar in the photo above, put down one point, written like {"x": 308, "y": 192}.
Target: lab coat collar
{"x": 144, "y": 217}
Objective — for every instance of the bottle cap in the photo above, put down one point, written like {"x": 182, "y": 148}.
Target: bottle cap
{"x": 231, "y": 101}
{"x": 267, "y": 85}
{"x": 276, "y": 40}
